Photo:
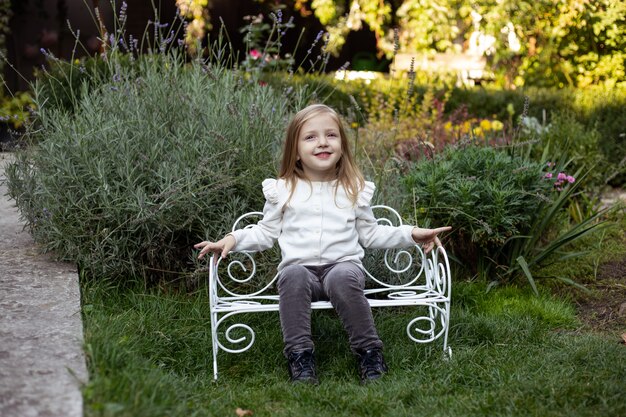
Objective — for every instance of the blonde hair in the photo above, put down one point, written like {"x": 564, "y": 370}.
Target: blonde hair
{"x": 347, "y": 173}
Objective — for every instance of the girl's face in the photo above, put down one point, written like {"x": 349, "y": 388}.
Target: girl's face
{"x": 319, "y": 147}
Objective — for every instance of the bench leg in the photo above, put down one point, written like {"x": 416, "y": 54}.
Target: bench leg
{"x": 215, "y": 347}
{"x": 447, "y": 350}
{"x": 212, "y": 301}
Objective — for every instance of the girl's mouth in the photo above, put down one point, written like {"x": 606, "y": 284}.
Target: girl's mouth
{"x": 323, "y": 155}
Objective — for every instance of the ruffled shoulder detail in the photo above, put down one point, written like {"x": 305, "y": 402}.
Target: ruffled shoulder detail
{"x": 270, "y": 190}
{"x": 365, "y": 196}
{"x": 275, "y": 190}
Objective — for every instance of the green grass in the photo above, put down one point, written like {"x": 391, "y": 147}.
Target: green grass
{"x": 515, "y": 354}
{"x": 604, "y": 246}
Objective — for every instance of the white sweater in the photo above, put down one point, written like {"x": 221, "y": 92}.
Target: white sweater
{"x": 315, "y": 227}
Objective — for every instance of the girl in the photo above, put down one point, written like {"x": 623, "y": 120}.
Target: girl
{"x": 319, "y": 211}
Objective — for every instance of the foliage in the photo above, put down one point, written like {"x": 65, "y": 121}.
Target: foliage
{"x": 263, "y": 44}
{"x": 63, "y": 84}
{"x": 338, "y": 23}
{"x": 507, "y": 212}
{"x": 16, "y": 110}
{"x": 604, "y": 248}
{"x": 398, "y": 124}
{"x": 196, "y": 12}
{"x": 565, "y": 135}
{"x": 593, "y": 117}
{"x": 125, "y": 185}
{"x": 572, "y": 43}
{"x": 583, "y": 43}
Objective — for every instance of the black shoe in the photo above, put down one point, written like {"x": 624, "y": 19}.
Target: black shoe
{"x": 371, "y": 364}
{"x": 302, "y": 366}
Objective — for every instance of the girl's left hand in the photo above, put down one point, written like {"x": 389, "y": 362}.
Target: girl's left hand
{"x": 428, "y": 237}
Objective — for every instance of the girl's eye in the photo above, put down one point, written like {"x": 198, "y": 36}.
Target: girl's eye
{"x": 334, "y": 135}
{"x": 309, "y": 137}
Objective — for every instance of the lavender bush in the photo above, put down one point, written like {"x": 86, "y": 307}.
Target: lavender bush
{"x": 159, "y": 156}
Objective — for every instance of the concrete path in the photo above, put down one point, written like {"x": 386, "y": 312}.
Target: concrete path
{"x": 42, "y": 365}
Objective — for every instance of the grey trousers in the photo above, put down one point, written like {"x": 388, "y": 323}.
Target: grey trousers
{"x": 342, "y": 284}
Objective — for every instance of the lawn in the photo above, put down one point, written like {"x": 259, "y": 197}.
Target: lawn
{"x": 514, "y": 354}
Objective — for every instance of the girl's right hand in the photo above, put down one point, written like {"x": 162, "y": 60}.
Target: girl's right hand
{"x": 222, "y": 247}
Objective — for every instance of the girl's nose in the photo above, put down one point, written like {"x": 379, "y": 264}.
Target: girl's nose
{"x": 323, "y": 141}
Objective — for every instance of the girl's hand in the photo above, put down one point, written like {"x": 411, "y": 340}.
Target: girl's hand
{"x": 221, "y": 247}
{"x": 428, "y": 237}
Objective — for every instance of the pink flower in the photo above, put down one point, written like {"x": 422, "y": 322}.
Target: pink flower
{"x": 548, "y": 175}
{"x": 550, "y": 164}
{"x": 570, "y": 179}
{"x": 255, "y": 54}
{"x": 562, "y": 176}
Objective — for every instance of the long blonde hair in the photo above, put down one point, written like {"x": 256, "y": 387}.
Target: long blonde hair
{"x": 348, "y": 174}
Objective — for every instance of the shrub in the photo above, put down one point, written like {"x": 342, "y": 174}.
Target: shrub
{"x": 506, "y": 212}
{"x": 155, "y": 159}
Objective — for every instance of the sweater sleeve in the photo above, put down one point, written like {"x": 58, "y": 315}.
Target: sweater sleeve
{"x": 374, "y": 235}
{"x": 264, "y": 234}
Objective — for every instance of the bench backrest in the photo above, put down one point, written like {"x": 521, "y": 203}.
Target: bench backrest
{"x": 253, "y": 275}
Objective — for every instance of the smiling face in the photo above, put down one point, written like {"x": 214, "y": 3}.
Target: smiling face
{"x": 319, "y": 147}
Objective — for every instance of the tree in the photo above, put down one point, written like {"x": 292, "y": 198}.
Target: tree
{"x": 539, "y": 42}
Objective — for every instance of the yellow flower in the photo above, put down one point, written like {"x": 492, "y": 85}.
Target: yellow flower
{"x": 485, "y": 124}
{"x": 354, "y": 125}
{"x": 497, "y": 125}
{"x": 448, "y": 126}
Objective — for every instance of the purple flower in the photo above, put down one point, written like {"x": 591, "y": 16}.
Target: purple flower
{"x": 548, "y": 175}
{"x": 562, "y": 176}
{"x": 570, "y": 179}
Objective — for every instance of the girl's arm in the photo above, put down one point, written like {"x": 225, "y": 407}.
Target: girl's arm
{"x": 262, "y": 235}
{"x": 377, "y": 236}
{"x": 428, "y": 237}
{"x": 381, "y": 236}
{"x": 221, "y": 247}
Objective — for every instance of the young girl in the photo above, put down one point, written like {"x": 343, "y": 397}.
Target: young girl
{"x": 319, "y": 211}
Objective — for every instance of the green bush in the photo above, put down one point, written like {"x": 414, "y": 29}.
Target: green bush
{"x": 485, "y": 194}
{"x": 507, "y": 212}
{"x": 155, "y": 159}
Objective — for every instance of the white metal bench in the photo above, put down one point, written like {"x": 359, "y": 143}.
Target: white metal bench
{"x": 396, "y": 277}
